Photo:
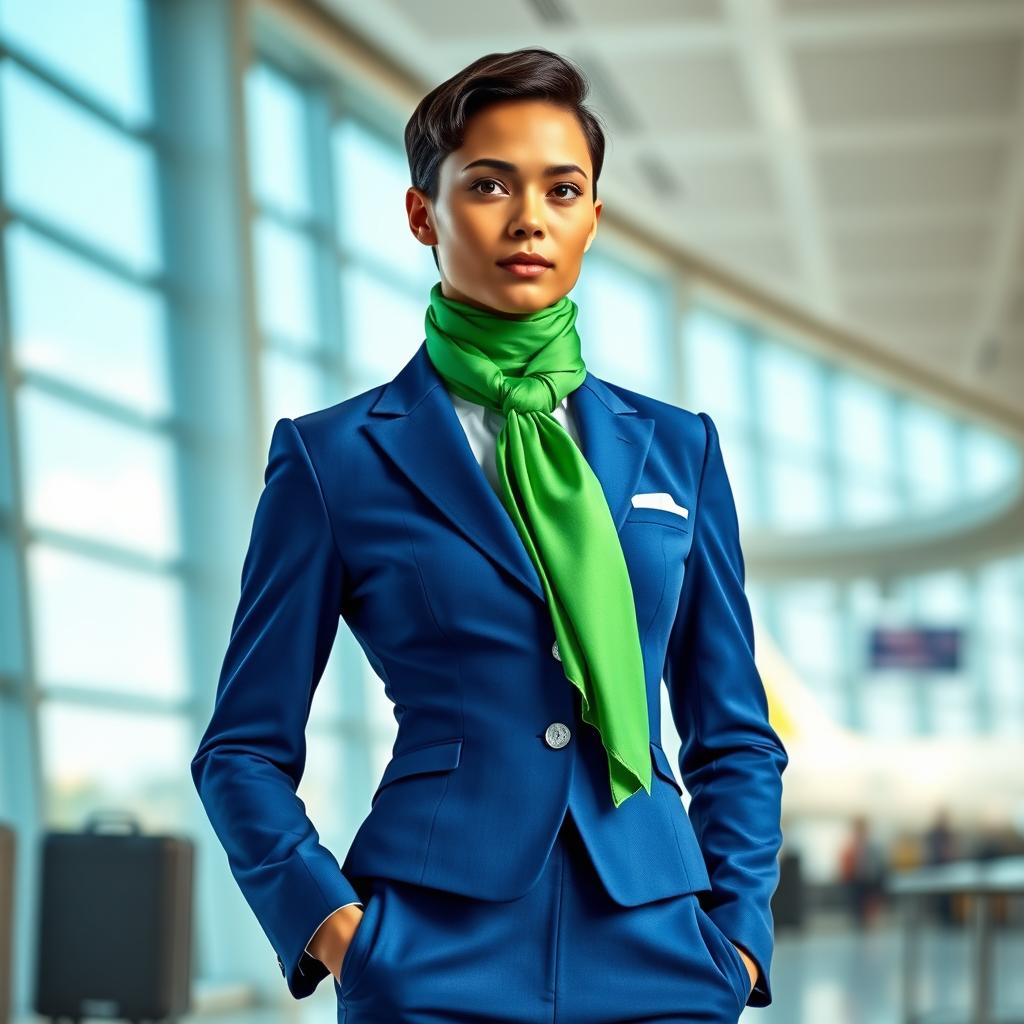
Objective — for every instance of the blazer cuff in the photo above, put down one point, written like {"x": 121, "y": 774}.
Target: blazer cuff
{"x": 305, "y": 893}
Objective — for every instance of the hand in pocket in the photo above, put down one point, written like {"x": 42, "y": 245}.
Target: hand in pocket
{"x": 334, "y": 937}
{"x": 351, "y": 929}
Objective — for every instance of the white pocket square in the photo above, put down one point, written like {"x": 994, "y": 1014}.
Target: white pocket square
{"x": 659, "y": 499}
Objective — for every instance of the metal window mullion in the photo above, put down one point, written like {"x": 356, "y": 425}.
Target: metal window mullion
{"x": 327, "y": 285}
{"x": 23, "y": 802}
{"x": 756, "y": 438}
{"x": 198, "y": 49}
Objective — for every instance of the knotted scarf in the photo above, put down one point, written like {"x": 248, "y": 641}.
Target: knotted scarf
{"x": 522, "y": 366}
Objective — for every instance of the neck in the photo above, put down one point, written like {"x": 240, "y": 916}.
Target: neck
{"x": 489, "y": 310}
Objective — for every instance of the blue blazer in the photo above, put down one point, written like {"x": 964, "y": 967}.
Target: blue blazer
{"x": 375, "y": 510}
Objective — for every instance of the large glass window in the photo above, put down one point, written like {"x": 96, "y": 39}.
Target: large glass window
{"x": 624, "y": 326}
{"x": 817, "y": 447}
{"x": 812, "y": 446}
{"x": 71, "y": 341}
{"x": 83, "y": 175}
{"x": 824, "y": 629}
{"x": 97, "y": 459}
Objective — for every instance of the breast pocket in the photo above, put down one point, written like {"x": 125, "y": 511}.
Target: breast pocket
{"x": 655, "y": 543}
{"x": 661, "y": 516}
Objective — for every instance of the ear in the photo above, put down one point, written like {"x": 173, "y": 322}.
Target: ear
{"x": 598, "y": 207}
{"x": 420, "y": 213}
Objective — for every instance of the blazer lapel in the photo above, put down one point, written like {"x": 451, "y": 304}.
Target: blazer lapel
{"x": 614, "y": 439}
{"x": 415, "y": 424}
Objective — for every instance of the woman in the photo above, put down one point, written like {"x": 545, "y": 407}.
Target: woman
{"x": 523, "y": 551}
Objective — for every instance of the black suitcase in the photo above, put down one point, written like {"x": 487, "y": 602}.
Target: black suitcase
{"x": 115, "y": 923}
{"x": 7, "y": 848}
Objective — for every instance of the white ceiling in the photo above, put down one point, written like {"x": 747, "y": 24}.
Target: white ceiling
{"x": 863, "y": 159}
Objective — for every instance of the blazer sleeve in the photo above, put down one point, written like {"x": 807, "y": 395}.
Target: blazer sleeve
{"x": 252, "y": 756}
{"x": 730, "y": 759}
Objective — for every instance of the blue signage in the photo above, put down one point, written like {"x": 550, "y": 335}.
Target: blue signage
{"x": 923, "y": 648}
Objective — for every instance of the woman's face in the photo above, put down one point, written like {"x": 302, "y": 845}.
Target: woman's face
{"x": 520, "y": 182}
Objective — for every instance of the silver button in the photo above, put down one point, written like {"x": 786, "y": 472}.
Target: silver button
{"x": 554, "y": 651}
{"x": 556, "y": 735}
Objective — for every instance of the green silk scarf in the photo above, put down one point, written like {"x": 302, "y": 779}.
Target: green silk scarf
{"x": 523, "y": 366}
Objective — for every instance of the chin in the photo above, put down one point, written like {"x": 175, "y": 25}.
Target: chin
{"x": 526, "y": 297}
{"x": 514, "y": 298}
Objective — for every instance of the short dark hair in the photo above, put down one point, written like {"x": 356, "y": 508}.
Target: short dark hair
{"x": 438, "y": 124}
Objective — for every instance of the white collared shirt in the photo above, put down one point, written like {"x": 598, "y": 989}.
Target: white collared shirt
{"x": 482, "y": 425}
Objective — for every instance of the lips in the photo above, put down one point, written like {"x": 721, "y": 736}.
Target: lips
{"x": 525, "y": 264}
{"x": 524, "y": 269}
{"x": 525, "y": 258}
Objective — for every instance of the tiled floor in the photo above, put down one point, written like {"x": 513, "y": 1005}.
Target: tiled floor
{"x": 834, "y": 975}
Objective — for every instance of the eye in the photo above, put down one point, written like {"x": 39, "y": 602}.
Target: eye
{"x": 485, "y": 181}
{"x": 569, "y": 185}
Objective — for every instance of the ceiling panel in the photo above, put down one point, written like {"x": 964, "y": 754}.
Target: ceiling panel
{"x": 938, "y": 174}
{"x": 873, "y": 81}
{"x": 614, "y": 12}
{"x": 936, "y": 246}
{"x": 458, "y": 18}
{"x": 907, "y": 306}
{"x": 773, "y": 252}
{"x": 740, "y": 184}
{"x": 703, "y": 93}
{"x": 803, "y": 6}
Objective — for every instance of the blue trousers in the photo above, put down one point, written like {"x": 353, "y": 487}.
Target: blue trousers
{"x": 563, "y": 953}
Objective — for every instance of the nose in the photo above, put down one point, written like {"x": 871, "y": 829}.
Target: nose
{"x": 529, "y": 219}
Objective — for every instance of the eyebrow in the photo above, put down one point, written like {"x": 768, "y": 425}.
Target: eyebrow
{"x": 504, "y": 165}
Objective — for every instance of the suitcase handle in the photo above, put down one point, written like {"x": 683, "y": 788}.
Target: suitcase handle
{"x": 127, "y": 821}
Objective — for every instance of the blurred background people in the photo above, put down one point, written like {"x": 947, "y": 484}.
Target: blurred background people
{"x": 940, "y": 847}
{"x": 862, "y": 868}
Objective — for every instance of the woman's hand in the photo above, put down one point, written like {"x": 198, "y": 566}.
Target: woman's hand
{"x": 332, "y": 939}
{"x": 751, "y": 968}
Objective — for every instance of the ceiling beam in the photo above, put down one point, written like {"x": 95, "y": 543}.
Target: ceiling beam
{"x": 1002, "y": 269}
{"x": 762, "y": 59}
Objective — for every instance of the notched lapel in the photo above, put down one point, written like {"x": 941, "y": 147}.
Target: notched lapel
{"x": 615, "y": 441}
{"x": 415, "y": 424}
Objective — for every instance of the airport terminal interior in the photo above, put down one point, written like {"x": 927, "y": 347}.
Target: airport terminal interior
{"x": 813, "y": 230}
